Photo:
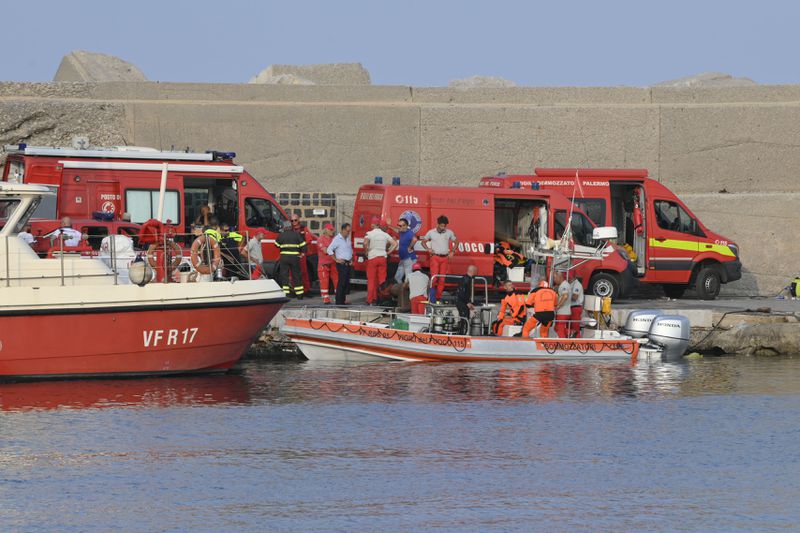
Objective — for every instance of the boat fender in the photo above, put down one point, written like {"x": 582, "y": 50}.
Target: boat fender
{"x": 197, "y": 260}
{"x": 140, "y": 272}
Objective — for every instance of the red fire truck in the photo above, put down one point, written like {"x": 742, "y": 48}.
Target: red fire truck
{"x": 482, "y": 218}
{"x": 666, "y": 242}
{"x": 96, "y": 186}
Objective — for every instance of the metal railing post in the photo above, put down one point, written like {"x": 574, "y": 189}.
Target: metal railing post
{"x": 114, "y": 259}
{"x": 61, "y": 248}
{"x": 8, "y": 264}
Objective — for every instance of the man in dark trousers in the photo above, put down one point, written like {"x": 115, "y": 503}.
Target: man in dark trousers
{"x": 465, "y": 294}
{"x": 342, "y": 251}
{"x": 291, "y": 245}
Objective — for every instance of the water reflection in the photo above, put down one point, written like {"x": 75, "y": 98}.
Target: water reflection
{"x": 106, "y": 393}
{"x": 259, "y": 382}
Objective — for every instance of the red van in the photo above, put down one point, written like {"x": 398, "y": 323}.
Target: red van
{"x": 483, "y": 217}
{"x": 96, "y": 186}
{"x": 666, "y": 242}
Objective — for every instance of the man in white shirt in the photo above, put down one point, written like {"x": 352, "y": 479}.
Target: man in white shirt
{"x": 69, "y": 235}
{"x": 417, "y": 289}
{"x": 378, "y": 245}
{"x": 576, "y": 308}
{"x": 441, "y": 245}
{"x": 564, "y": 290}
{"x": 26, "y": 235}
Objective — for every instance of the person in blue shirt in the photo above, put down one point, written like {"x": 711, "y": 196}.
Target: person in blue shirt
{"x": 342, "y": 251}
{"x": 405, "y": 250}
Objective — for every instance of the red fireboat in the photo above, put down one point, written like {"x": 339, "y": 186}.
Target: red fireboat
{"x": 75, "y": 316}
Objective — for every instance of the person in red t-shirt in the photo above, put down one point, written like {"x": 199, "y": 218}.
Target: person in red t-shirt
{"x": 326, "y": 267}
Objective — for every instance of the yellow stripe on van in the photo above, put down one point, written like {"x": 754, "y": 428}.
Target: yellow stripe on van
{"x": 694, "y": 246}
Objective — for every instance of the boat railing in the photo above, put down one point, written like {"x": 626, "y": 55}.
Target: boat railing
{"x": 168, "y": 260}
{"x": 458, "y": 277}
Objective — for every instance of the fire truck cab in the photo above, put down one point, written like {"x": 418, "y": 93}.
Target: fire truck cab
{"x": 483, "y": 219}
{"x": 664, "y": 240}
{"x": 95, "y": 187}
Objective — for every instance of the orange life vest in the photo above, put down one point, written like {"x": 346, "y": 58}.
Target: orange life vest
{"x": 515, "y": 303}
{"x": 543, "y": 299}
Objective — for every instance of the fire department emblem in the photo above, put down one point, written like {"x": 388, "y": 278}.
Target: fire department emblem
{"x": 108, "y": 207}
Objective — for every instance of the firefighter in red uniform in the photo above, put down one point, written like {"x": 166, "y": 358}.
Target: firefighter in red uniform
{"x": 514, "y": 305}
{"x": 326, "y": 267}
{"x": 543, "y": 299}
{"x": 307, "y": 255}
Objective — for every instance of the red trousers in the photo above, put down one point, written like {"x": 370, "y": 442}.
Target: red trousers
{"x": 439, "y": 265}
{"x": 418, "y": 305}
{"x": 575, "y": 315}
{"x": 376, "y": 274}
{"x": 327, "y": 273}
{"x": 562, "y": 325}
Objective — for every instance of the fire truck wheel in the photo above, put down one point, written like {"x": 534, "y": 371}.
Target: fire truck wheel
{"x": 674, "y": 291}
{"x": 604, "y": 284}
{"x": 708, "y": 283}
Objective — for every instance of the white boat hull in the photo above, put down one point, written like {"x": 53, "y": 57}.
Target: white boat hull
{"x": 344, "y": 340}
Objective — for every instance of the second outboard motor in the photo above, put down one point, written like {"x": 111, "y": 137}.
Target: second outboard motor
{"x": 671, "y": 332}
{"x": 638, "y": 323}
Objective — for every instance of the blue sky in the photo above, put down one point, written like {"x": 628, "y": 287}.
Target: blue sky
{"x": 413, "y": 42}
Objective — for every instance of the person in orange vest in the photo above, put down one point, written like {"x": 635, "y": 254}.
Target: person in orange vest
{"x": 543, "y": 299}
{"x": 514, "y": 305}
{"x": 326, "y": 267}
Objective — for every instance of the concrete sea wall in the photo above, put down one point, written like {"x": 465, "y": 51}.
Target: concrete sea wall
{"x": 744, "y": 141}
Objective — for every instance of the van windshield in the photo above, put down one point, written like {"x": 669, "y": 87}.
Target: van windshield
{"x": 582, "y": 228}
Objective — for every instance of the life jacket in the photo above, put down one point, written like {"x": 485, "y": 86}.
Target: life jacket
{"x": 516, "y": 304}
{"x": 543, "y": 299}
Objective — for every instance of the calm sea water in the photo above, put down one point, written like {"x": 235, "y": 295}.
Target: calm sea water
{"x": 705, "y": 445}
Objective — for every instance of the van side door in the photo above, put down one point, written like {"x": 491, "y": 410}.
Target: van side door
{"x": 673, "y": 241}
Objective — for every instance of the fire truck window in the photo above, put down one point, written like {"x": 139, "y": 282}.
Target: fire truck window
{"x": 262, "y": 213}
{"x": 96, "y": 234}
{"x": 671, "y": 216}
{"x": 594, "y": 208}
{"x": 142, "y": 204}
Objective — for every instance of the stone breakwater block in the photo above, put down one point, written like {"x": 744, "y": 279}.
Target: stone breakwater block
{"x": 326, "y": 74}
{"x": 82, "y": 66}
{"x": 478, "y": 82}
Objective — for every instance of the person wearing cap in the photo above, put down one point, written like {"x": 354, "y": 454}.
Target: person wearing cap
{"x": 418, "y": 289}
{"x": 378, "y": 245}
{"x": 326, "y": 266}
{"x": 543, "y": 300}
{"x": 405, "y": 250}
{"x": 441, "y": 245}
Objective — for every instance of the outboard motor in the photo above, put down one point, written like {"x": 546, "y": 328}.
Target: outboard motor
{"x": 670, "y": 332}
{"x": 638, "y": 323}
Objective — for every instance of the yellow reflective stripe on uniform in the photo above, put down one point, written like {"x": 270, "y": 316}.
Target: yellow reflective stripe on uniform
{"x": 289, "y": 245}
{"x": 693, "y": 246}
{"x": 284, "y": 252}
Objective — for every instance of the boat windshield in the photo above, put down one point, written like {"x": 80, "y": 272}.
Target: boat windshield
{"x": 9, "y": 208}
